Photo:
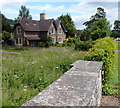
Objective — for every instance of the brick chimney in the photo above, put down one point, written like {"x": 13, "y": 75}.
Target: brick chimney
{"x": 42, "y": 16}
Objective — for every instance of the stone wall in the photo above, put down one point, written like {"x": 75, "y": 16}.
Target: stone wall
{"x": 79, "y": 86}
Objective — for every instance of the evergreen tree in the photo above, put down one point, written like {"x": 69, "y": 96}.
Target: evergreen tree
{"x": 24, "y": 13}
{"x": 100, "y": 14}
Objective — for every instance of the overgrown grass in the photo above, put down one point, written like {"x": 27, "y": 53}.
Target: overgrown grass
{"x": 25, "y": 75}
{"x": 114, "y": 76}
{"x": 14, "y": 48}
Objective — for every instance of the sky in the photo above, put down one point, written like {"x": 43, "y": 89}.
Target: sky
{"x": 80, "y": 10}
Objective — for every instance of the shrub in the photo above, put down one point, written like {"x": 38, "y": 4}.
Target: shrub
{"x": 103, "y": 50}
{"x": 18, "y": 48}
{"x": 5, "y": 35}
{"x": 70, "y": 42}
{"x": 41, "y": 44}
{"x": 47, "y": 42}
{"x": 84, "y": 46}
{"x": 58, "y": 44}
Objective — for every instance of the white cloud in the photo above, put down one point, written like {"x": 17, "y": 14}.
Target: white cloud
{"x": 11, "y": 2}
{"x": 79, "y": 20}
{"x": 85, "y": 11}
{"x": 80, "y": 12}
{"x": 71, "y": 1}
{"x": 46, "y": 7}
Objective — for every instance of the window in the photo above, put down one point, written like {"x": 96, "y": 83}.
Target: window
{"x": 59, "y": 39}
{"x": 60, "y": 31}
{"x": 26, "y": 23}
{"x": 20, "y": 41}
{"x": 18, "y": 30}
{"x": 53, "y": 39}
{"x": 34, "y": 23}
{"x": 16, "y": 41}
{"x": 52, "y": 30}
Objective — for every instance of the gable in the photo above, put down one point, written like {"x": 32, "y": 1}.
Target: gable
{"x": 52, "y": 29}
{"x": 60, "y": 24}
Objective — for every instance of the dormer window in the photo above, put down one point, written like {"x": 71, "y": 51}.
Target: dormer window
{"x": 26, "y": 23}
{"x": 34, "y": 23}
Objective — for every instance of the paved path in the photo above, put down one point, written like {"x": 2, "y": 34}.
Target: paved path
{"x": 110, "y": 100}
{"x": 10, "y": 52}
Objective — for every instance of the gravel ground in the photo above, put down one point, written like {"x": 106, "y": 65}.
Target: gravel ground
{"x": 110, "y": 100}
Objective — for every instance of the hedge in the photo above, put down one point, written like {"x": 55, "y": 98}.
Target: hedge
{"x": 103, "y": 50}
{"x": 84, "y": 46}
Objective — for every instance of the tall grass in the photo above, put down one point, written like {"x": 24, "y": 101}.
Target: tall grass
{"x": 113, "y": 77}
{"x": 25, "y": 75}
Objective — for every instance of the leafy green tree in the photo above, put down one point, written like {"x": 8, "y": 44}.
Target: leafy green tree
{"x": 100, "y": 29}
{"x": 116, "y": 30}
{"x": 98, "y": 26}
{"x": 6, "y": 29}
{"x": 115, "y": 34}
{"x": 117, "y": 26}
{"x": 69, "y": 25}
{"x": 6, "y": 35}
{"x": 85, "y": 35}
{"x": 100, "y": 14}
{"x": 5, "y": 25}
{"x": 24, "y": 13}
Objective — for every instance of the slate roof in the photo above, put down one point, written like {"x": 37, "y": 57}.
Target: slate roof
{"x": 57, "y": 23}
{"x": 34, "y": 25}
{"x": 41, "y": 25}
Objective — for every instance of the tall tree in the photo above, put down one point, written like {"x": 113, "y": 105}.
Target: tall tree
{"x": 85, "y": 35}
{"x": 100, "y": 14}
{"x": 116, "y": 29}
{"x": 6, "y": 29}
{"x": 24, "y": 13}
{"x": 117, "y": 26}
{"x": 69, "y": 25}
{"x": 5, "y": 25}
{"x": 97, "y": 26}
{"x": 100, "y": 29}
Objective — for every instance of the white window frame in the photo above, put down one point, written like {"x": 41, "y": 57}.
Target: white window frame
{"x": 18, "y": 30}
{"x": 17, "y": 41}
{"x": 52, "y": 31}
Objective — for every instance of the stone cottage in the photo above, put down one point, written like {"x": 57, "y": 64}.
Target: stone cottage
{"x": 31, "y": 32}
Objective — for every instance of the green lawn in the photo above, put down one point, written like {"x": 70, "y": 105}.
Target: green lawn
{"x": 25, "y": 75}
